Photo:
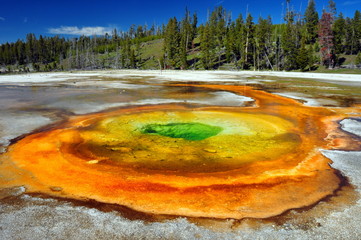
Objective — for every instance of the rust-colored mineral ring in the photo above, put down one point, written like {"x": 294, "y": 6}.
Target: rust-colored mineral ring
{"x": 219, "y": 162}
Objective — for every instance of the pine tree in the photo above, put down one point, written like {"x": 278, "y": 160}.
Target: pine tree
{"x": 172, "y": 41}
{"x": 239, "y": 41}
{"x": 20, "y": 52}
{"x": 43, "y": 51}
{"x": 304, "y": 57}
{"x": 290, "y": 41}
{"x": 277, "y": 38}
{"x": 186, "y": 30}
{"x": 218, "y": 27}
{"x": 115, "y": 35}
{"x": 290, "y": 48}
{"x": 356, "y": 32}
{"x": 230, "y": 43}
{"x": 183, "y": 63}
{"x": 249, "y": 47}
{"x": 185, "y": 39}
{"x": 213, "y": 38}
{"x": 207, "y": 47}
{"x": 311, "y": 22}
{"x": 194, "y": 28}
{"x": 30, "y": 48}
{"x": 263, "y": 42}
{"x": 132, "y": 59}
{"x": 349, "y": 46}
{"x": 339, "y": 33}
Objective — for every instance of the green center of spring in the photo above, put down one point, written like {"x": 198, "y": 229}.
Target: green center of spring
{"x": 187, "y": 131}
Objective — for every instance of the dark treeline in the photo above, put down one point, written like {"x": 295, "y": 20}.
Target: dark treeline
{"x": 304, "y": 41}
{"x": 50, "y": 53}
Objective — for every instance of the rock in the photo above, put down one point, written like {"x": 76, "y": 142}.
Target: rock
{"x": 122, "y": 149}
{"x": 15, "y": 191}
{"x": 210, "y": 150}
{"x": 92, "y": 162}
{"x": 56, "y": 189}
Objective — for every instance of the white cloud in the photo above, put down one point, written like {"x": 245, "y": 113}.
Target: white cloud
{"x": 220, "y": 2}
{"x": 87, "y": 31}
{"x": 348, "y": 3}
{"x": 2, "y": 19}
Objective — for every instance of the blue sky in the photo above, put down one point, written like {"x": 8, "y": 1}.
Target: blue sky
{"x": 46, "y": 17}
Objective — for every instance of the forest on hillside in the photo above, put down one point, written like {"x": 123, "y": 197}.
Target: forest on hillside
{"x": 304, "y": 41}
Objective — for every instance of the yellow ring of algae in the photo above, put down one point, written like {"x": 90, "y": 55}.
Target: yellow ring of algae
{"x": 244, "y": 138}
{"x": 247, "y": 187}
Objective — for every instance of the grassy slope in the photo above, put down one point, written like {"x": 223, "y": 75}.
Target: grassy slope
{"x": 151, "y": 53}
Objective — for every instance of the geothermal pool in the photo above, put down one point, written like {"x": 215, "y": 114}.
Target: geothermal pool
{"x": 182, "y": 155}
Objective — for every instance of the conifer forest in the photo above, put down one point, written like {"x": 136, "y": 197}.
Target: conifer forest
{"x": 304, "y": 41}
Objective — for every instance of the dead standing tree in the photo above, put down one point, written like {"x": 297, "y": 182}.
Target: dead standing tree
{"x": 325, "y": 36}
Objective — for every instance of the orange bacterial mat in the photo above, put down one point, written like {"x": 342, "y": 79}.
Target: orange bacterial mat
{"x": 257, "y": 161}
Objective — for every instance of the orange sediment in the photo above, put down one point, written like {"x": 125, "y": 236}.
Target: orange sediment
{"x": 104, "y": 157}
